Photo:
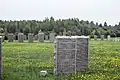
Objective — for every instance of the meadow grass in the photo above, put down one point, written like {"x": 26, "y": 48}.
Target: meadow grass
{"x": 23, "y": 61}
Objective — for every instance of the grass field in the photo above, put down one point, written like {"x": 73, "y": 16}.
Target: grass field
{"x": 23, "y": 61}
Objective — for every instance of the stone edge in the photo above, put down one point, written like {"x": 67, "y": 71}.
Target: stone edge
{"x": 72, "y": 36}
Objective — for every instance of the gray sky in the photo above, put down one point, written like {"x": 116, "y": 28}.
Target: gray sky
{"x": 92, "y": 10}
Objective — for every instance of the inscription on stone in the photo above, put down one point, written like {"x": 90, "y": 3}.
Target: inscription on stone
{"x": 71, "y": 54}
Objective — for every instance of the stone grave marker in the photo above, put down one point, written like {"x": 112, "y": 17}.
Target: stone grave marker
{"x": 116, "y": 39}
{"x": 14, "y": 36}
{"x": 10, "y": 37}
{"x": 30, "y": 38}
{"x": 95, "y": 37}
{"x": 71, "y": 54}
{"x": 20, "y": 37}
{"x": 3, "y": 36}
{"x": 41, "y": 36}
{"x": 108, "y": 37}
{"x": 46, "y": 37}
{"x": 64, "y": 33}
{"x": 102, "y": 37}
{"x": 36, "y": 37}
{"x": 113, "y": 39}
{"x": 52, "y": 37}
{"x": 25, "y": 37}
{"x": 0, "y": 57}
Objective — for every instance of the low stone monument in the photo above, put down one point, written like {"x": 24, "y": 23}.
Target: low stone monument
{"x": 46, "y": 37}
{"x": 108, "y": 37}
{"x": 64, "y": 32}
{"x": 30, "y": 38}
{"x": 41, "y": 36}
{"x": 102, "y": 37}
{"x": 25, "y": 37}
{"x": 113, "y": 39}
{"x": 20, "y": 37}
{"x": 71, "y": 54}
{"x": 117, "y": 39}
{"x": 14, "y": 36}
{"x": 10, "y": 37}
{"x": 52, "y": 37}
{"x": 3, "y": 36}
{"x": 95, "y": 37}
{"x": 36, "y": 37}
{"x": 0, "y": 57}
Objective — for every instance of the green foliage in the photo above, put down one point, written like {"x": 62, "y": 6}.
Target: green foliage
{"x": 68, "y": 33}
{"x": 113, "y": 35}
{"x": 1, "y": 30}
{"x": 26, "y": 30}
{"x": 74, "y": 25}
{"x": 97, "y": 33}
{"x": 23, "y": 61}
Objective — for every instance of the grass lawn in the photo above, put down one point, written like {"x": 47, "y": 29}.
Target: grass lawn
{"x": 23, "y": 61}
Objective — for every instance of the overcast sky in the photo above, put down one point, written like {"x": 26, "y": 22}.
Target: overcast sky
{"x": 92, "y": 10}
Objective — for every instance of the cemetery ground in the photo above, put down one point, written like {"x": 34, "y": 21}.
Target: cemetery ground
{"x": 24, "y": 61}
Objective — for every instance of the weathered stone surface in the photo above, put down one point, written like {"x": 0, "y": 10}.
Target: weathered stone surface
{"x": 95, "y": 37}
{"x": 117, "y": 39}
{"x": 108, "y": 37}
{"x": 52, "y": 37}
{"x": 20, "y": 37}
{"x": 64, "y": 33}
{"x": 66, "y": 62}
{"x": 102, "y": 37}
{"x": 25, "y": 37}
{"x": 41, "y": 37}
{"x": 14, "y": 36}
{"x": 30, "y": 38}
{"x": 71, "y": 54}
{"x": 10, "y": 37}
{"x": 36, "y": 37}
{"x": 46, "y": 37}
{"x": 82, "y": 54}
{"x": 0, "y": 57}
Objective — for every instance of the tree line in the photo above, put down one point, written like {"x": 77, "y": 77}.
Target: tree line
{"x": 72, "y": 26}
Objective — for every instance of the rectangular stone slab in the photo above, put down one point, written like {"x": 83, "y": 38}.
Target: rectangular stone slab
{"x": 0, "y": 57}
{"x": 10, "y": 37}
{"x": 71, "y": 54}
{"x": 30, "y": 38}
{"x": 20, "y": 37}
